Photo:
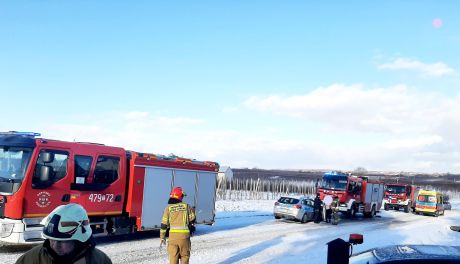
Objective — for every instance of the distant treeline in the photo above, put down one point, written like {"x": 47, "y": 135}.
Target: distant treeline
{"x": 241, "y": 189}
{"x": 446, "y": 182}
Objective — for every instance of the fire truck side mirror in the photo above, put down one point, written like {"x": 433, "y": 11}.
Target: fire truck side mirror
{"x": 45, "y": 178}
{"x": 46, "y": 173}
{"x": 47, "y": 157}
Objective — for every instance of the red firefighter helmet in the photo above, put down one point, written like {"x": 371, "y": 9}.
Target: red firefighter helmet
{"x": 177, "y": 193}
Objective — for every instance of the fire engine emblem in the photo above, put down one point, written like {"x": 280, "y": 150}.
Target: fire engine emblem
{"x": 43, "y": 199}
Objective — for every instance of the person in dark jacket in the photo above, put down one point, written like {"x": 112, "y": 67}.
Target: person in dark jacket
{"x": 328, "y": 213}
{"x": 317, "y": 206}
{"x": 68, "y": 240}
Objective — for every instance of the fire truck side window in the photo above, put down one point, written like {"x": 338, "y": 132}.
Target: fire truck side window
{"x": 82, "y": 167}
{"x": 52, "y": 161}
{"x": 106, "y": 170}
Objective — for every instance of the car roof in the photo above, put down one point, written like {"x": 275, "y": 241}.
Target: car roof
{"x": 297, "y": 197}
{"x": 407, "y": 252}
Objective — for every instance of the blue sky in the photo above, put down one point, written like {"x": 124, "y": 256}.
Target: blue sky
{"x": 268, "y": 84}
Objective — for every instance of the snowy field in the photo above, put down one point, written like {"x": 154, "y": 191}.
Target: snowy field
{"x": 246, "y": 232}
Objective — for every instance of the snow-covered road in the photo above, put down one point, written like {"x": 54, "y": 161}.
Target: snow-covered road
{"x": 246, "y": 232}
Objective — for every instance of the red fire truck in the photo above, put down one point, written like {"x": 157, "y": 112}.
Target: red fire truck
{"x": 355, "y": 194}
{"x": 122, "y": 191}
{"x": 400, "y": 196}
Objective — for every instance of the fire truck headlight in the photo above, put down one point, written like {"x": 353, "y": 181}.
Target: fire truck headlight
{"x": 6, "y": 229}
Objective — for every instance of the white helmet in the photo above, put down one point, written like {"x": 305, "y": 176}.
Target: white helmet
{"x": 67, "y": 222}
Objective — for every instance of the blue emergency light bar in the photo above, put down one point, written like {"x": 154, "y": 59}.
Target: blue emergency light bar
{"x": 30, "y": 134}
{"x": 335, "y": 173}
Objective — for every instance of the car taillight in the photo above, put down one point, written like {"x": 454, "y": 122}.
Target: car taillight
{"x": 298, "y": 206}
{"x": 276, "y": 203}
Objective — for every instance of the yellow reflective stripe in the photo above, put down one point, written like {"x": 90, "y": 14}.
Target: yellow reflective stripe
{"x": 184, "y": 216}
{"x": 179, "y": 231}
{"x": 162, "y": 231}
{"x": 34, "y": 215}
{"x": 104, "y": 213}
{"x": 179, "y": 227}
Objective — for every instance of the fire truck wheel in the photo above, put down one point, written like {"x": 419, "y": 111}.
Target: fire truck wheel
{"x": 436, "y": 214}
{"x": 406, "y": 209}
{"x": 370, "y": 214}
{"x": 352, "y": 211}
{"x": 277, "y": 217}
{"x": 386, "y": 207}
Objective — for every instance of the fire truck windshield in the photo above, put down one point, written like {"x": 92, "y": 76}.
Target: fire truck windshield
{"x": 335, "y": 184}
{"x": 13, "y": 163}
{"x": 396, "y": 189}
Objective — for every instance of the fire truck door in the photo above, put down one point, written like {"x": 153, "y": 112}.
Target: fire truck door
{"x": 206, "y": 197}
{"x": 102, "y": 192}
{"x": 82, "y": 166}
{"x": 157, "y": 186}
{"x": 50, "y": 183}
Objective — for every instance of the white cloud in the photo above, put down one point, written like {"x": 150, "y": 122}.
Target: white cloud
{"x": 394, "y": 128}
{"x": 403, "y": 129}
{"x": 409, "y": 143}
{"x": 395, "y": 109}
{"x": 437, "y": 69}
{"x": 134, "y": 130}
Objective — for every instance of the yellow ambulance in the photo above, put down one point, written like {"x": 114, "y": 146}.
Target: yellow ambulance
{"x": 429, "y": 202}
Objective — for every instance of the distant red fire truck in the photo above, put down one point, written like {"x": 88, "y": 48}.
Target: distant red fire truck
{"x": 400, "y": 196}
{"x": 122, "y": 191}
{"x": 355, "y": 194}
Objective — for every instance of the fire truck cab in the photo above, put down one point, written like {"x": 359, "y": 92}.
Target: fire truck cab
{"x": 122, "y": 191}
{"x": 400, "y": 196}
{"x": 355, "y": 194}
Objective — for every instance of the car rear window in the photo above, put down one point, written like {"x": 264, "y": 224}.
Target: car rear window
{"x": 287, "y": 200}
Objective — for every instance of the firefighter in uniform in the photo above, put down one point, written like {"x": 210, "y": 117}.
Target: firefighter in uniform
{"x": 178, "y": 218}
{"x": 335, "y": 211}
{"x": 68, "y": 239}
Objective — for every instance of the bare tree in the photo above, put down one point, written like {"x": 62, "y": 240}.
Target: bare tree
{"x": 360, "y": 171}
